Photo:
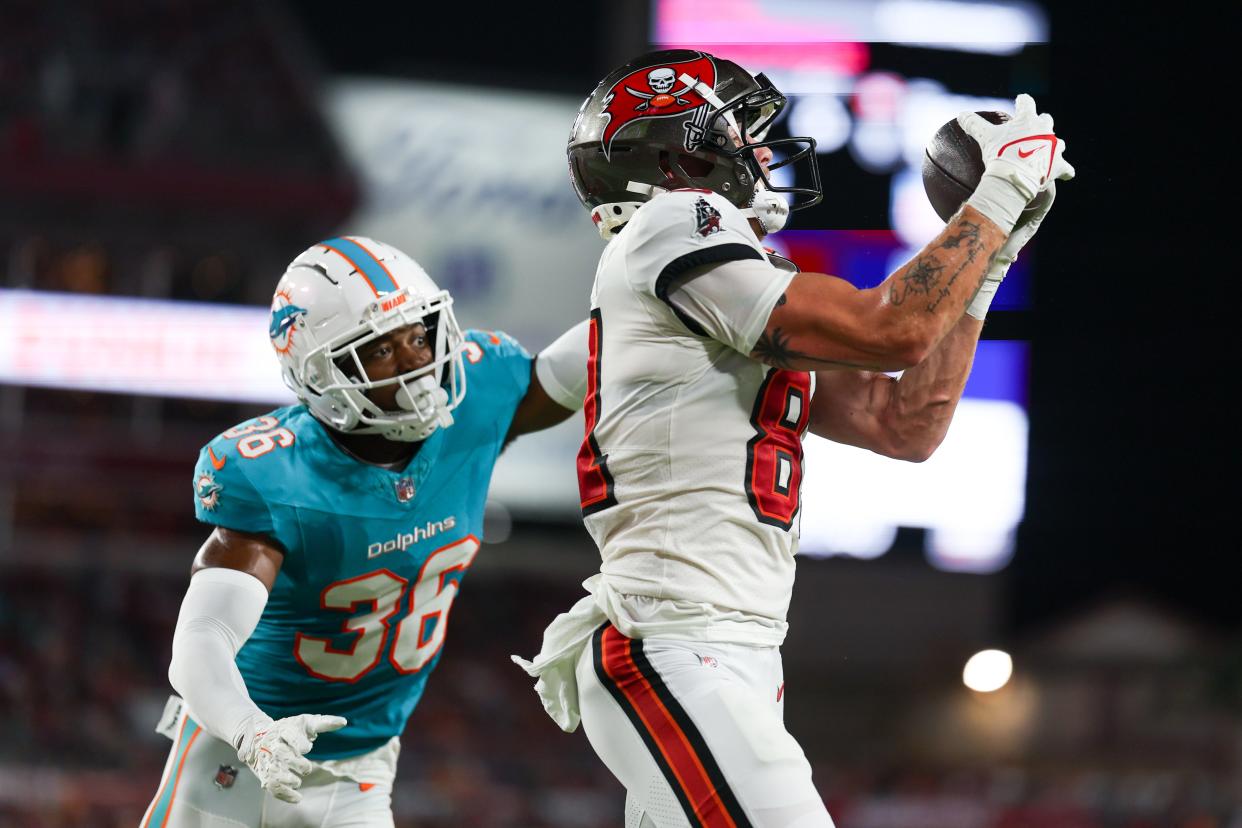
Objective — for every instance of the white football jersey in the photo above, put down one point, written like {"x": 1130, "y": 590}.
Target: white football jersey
{"x": 692, "y": 464}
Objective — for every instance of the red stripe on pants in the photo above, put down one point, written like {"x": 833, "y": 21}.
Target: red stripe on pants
{"x": 669, "y": 737}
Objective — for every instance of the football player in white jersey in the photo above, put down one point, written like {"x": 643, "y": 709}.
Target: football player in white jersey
{"x": 710, "y": 358}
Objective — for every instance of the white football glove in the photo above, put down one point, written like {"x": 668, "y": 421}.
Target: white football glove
{"x": 1028, "y": 223}
{"x": 275, "y": 750}
{"x": 1021, "y": 158}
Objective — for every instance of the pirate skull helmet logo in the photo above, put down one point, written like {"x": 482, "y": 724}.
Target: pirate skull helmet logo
{"x": 661, "y": 80}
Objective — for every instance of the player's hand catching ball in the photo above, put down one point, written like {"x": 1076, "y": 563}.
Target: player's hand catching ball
{"x": 275, "y": 751}
{"x": 1021, "y": 156}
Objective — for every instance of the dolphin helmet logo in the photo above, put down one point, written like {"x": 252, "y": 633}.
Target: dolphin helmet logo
{"x": 280, "y": 329}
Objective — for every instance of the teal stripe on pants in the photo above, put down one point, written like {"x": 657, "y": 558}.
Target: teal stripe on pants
{"x": 160, "y": 812}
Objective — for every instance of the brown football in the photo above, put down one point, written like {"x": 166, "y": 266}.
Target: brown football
{"x": 953, "y": 165}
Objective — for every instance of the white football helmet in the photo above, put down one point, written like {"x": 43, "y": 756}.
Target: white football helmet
{"x": 343, "y": 293}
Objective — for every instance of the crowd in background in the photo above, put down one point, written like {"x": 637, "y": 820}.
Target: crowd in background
{"x": 184, "y": 81}
{"x": 82, "y": 684}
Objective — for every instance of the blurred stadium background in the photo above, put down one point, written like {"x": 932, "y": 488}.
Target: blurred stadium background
{"x": 160, "y": 163}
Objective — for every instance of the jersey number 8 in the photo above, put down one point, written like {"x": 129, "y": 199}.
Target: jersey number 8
{"x": 774, "y": 455}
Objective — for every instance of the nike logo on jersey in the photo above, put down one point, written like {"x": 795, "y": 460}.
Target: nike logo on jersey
{"x": 405, "y": 540}
{"x": 217, "y": 462}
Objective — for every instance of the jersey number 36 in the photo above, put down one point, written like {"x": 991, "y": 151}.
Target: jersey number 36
{"x": 416, "y": 638}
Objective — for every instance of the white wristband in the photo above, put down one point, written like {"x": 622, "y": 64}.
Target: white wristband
{"x": 978, "y": 307}
{"x": 561, "y": 368}
{"x": 218, "y": 614}
{"x": 999, "y": 198}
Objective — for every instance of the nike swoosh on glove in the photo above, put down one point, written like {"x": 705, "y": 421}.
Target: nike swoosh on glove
{"x": 276, "y": 750}
{"x": 1021, "y": 157}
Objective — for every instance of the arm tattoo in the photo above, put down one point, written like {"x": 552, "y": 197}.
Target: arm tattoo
{"x": 773, "y": 348}
{"x": 923, "y": 278}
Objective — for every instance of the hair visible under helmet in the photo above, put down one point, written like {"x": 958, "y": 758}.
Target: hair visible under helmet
{"x": 683, "y": 119}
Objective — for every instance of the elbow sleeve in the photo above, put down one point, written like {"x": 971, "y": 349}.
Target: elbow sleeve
{"x": 218, "y": 614}
{"x": 562, "y": 367}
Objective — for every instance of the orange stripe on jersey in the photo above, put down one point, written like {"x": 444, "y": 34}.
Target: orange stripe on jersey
{"x": 664, "y": 726}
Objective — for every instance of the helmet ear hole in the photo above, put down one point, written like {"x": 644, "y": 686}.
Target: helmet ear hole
{"x": 695, "y": 167}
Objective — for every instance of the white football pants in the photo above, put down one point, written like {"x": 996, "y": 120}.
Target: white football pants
{"x": 205, "y": 785}
{"x": 695, "y": 733}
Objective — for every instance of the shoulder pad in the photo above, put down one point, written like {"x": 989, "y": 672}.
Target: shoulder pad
{"x": 231, "y": 468}
{"x": 499, "y": 369}
{"x": 480, "y": 344}
{"x": 681, "y": 230}
{"x": 700, "y": 213}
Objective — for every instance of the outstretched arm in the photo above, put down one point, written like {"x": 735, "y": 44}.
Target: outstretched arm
{"x": 904, "y": 418}
{"x": 907, "y": 418}
{"x": 557, "y": 383}
{"x": 824, "y": 323}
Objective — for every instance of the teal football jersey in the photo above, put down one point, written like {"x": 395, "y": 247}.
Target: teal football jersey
{"x": 373, "y": 558}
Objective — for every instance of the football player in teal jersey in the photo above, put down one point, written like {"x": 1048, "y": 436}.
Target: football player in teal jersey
{"x": 343, "y": 526}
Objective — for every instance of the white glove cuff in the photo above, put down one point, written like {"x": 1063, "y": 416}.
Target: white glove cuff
{"x": 978, "y": 307}
{"x": 219, "y": 612}
{"x": 999, "y": 198}
{"x": 561, "y": 368}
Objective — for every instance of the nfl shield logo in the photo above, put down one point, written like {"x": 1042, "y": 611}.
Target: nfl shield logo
{"x": 405, "y": 489}
{"x": 225, "y": 777}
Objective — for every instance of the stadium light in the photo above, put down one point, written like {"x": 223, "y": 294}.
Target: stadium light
{"x": 987, "y": 671}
